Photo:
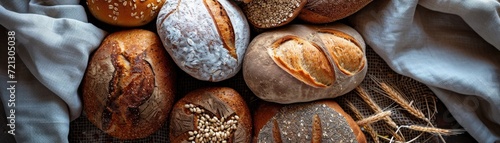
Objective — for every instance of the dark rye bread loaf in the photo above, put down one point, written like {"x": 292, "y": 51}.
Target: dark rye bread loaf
{"x": 300, "y": 63}
{"x": 214, "y": 114}
{"x": 317, "y": 122}
{"x": 128, "y": 86}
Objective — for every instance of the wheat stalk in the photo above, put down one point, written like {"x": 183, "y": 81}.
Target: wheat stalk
{"x": 374, "y": 118}
{"x": 410, "y": 141}
{"x": 392, "y": 141}
{"x": 396, "y": 136}
{"x": 364, "y": 95}
{"x": 398, "y": 97}
{"x": 357, "y": 114}
{"x": 434, "y": 130}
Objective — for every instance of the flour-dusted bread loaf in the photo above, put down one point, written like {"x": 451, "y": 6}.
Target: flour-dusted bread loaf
{"x": 312, "y": 122}
{"x": 127, "y": 13}
{"x": 206, "y": 38}
{"x": 128, "y": 89}
{"x": 325, "y": 11}
{"x": 300, "y": 63}
{"x": 214, "y": 114}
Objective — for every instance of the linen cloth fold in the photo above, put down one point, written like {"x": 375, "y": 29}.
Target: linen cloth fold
{"x": 452, "y": 46}
{"x": 53, "y": 45}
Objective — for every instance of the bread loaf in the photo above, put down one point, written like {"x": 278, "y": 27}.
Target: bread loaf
{"x": 326, "y": 11}
{"x": 317, "y": 122}
{"x": 206, "y": 38}
{"x": 245, "y": 1}
{"x": 128, "y": 86}
{"x": 126, "y": 13}
{"x": 272, "y": 13}
{"x": 216, "y": 114}
{"x": 300, "y": 63}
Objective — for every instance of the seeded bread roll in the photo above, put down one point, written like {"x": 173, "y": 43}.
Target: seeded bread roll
{"x": 206, "y": 38}
{"x": 128, "y": 86}
{"x": 216, "y": 114}
{"x": 326, "y": 11}
{"x": 127, "y": 13}
{"x": 317, "y": 122}
{"x": 272, "y": 13}
{"x": 300, "y": 63}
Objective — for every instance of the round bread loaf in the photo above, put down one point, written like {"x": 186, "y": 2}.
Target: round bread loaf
{"x": 206, "y": 38}
{"x": 326, "y": 11}
{"x": 315, "y": 122}
{"x": 125, "y": 13}
{"x": 128, "y": 86}
{"x": 272, "y": 13}
{"x": 300, "y": 63}
{"x": 216, "y": 114}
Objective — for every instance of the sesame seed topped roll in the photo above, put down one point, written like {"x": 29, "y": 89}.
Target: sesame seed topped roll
{"x": 126, "y": 13}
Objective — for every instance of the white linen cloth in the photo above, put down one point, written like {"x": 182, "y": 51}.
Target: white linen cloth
{"x": 452, "y": 46}
{"x": 53, "y": 44}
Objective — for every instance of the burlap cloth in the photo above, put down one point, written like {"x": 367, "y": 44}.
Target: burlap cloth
{"x": 81, "y": 130}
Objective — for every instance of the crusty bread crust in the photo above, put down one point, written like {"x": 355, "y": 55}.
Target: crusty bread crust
{"x": 300, "y": 63}
{"x": 128, "y": 89}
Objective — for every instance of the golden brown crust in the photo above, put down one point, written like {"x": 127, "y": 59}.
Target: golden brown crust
{"x": 272, "y": 13}
{"x": 325, "y": 11}
{"x": 347, "y": 53}
{"x": 224, "y": 26}
{"x": 217, "y": 105}
{"x": 127, "y": 13}
{"x": 128, "y": 86}
{"x": 296, "y": 55}
{"x": 319, "y": 121}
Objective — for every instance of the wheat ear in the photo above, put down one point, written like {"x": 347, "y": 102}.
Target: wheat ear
{"x": 397, "y": 97}
{"x": 374, "y": 118}
{"x": 434, "y": 130}
{"x": 364, "y": 95}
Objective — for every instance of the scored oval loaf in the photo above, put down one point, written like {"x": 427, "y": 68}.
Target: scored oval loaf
{"x": 316, "y": 122}
{"x": 300, "y": 63}
{"x": 206, "y": 38}
{"x": 128, "y": 89}
{"x": 213, "y": 114}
